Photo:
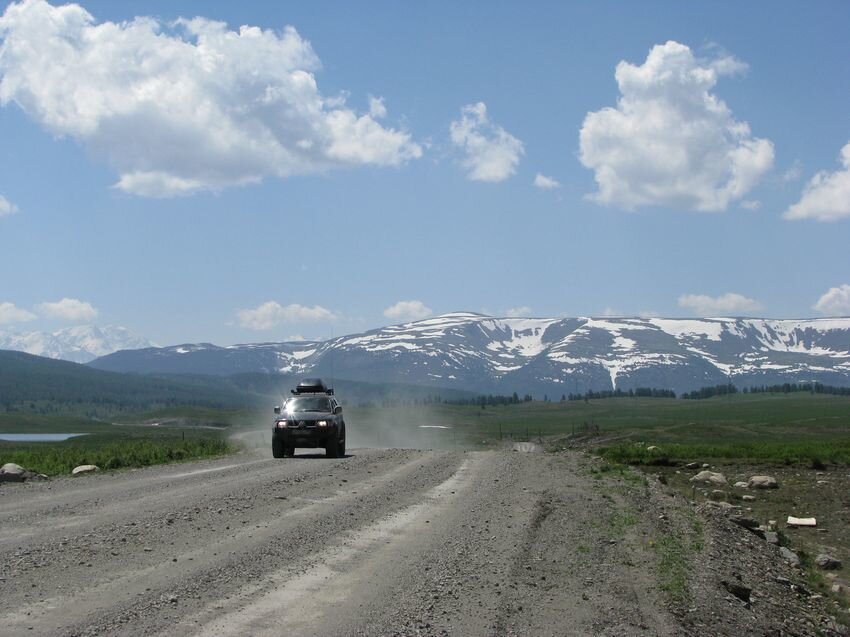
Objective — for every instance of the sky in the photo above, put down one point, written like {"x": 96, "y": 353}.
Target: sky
{"x": 247, "y": 172}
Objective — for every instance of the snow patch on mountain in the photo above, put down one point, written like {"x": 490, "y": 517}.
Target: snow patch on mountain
{"x": 539, "y": 355}
{"x": 679, "y": 328}
{"x": 80, "y": 344}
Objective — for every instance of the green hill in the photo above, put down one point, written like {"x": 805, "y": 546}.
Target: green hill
{"x": 32, "y": 384}
{"x": 43, "y": 386}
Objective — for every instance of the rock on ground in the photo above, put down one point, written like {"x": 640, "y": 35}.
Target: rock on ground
{"x": 789, "y": 556}
{"x": 709, "y": 477}
{"x": 827, "y": 562}
{"x": 11, "y": 472}
{"x": 763, "y": 482}
{"x": 84, "y": 468}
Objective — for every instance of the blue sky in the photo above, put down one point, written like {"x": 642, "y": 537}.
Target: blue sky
{"x": 380, "y": 164}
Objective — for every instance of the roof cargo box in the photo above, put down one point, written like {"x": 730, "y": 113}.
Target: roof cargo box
{"x": 312, "y": 386}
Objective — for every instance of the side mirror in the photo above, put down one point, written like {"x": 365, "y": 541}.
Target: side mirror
{"x": 338, "y": 410}
{"x": 277, "y": 410}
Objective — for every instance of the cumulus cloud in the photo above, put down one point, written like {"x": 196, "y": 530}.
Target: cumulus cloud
{"x": 377, "y": 109}
{"x": 518, "y": 312}
{"x": 827, "y": 196}
{"x": 10, "y": 313}
{"x": 7, "y": 207}
{"x": 271, "y": 314}
{"x": 670, "y": 141}
{"x": 726, "y": 304}
{"x": 835, "y": 301}
{"x": 186, "y": 106}
{"x": 68, "y": 310}
{"x": 751, "y": 204}
{"x": 490, "y": 152}
{"x": 546, "y": 183}
{"x": 794, "y": 172}
{"x": 408, "y": 311}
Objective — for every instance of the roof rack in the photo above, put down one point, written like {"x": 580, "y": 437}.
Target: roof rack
{"x": 312, "y": 386}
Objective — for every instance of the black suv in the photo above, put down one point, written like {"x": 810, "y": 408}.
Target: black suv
{"x": 312, "y": 418}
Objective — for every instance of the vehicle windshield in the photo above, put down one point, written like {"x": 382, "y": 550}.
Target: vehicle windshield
{"x": 308, "y": 403}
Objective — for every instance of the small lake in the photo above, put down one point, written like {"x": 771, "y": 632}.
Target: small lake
{"x": 38, "y": 437}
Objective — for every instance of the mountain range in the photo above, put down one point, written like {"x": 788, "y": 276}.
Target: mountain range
{"x": 79, "y": 344}
{"x": 540, "y": 356}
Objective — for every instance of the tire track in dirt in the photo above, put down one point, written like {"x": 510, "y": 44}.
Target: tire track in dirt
{"x": 169, "y": 553}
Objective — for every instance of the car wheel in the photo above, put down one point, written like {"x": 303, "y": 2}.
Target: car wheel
{"x": 278, "y": 450}
{"x": 332, "y": 448}
{"x": 289, "y": 451}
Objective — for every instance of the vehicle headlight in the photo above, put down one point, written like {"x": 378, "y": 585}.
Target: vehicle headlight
{"x": 323, "y": 423}
{"x": 280, "y": 424}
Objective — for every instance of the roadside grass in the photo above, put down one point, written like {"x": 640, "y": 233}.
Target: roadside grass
{"x": 115, "y": 451}
{"x": 676, "y": 552}
{"x": 617, "y": 470}
{"x": 672, "y": 567}
{"x": 180, "y": 434}
{"x": 621, "y": 520}
{"x": 813, "y": 453}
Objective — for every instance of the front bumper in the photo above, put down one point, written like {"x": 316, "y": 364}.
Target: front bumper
{"x": 311, "y": 437}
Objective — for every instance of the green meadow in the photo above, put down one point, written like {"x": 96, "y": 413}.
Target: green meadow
{"x": 797, "y": 427}
{"x": 109, "y": 446}
{"x": 767, "y": 428}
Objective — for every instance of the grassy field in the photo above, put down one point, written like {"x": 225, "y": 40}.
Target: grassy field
{"x": 768, "y": 427}
{"x": 772, "y": 428}
{"x": 113, "y": 446}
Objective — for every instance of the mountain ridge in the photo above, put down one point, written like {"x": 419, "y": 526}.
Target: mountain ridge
{"x": 78, "y": 344}
{"x": 553, "y": 356}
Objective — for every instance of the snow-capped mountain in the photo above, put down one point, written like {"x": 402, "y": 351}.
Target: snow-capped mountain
{"x": 79, "y": 344}
{"x": 537, "y": 355}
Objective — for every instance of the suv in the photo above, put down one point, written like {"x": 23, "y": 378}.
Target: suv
{"x": 312, "y": 418}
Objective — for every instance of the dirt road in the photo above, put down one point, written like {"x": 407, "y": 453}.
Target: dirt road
{"x": 382, "y": 542}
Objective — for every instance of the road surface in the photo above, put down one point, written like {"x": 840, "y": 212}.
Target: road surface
{"x": 381, "y": 542}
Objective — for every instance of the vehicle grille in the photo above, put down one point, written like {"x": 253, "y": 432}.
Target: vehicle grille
{"x": 302, "y": 424}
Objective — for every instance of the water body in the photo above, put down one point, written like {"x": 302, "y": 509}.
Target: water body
{"x": 38, "y": 437}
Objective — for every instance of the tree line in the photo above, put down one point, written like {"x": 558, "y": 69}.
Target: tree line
{"x": 779, "y": 388}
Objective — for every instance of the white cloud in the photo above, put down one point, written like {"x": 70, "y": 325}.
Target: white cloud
{"x": 408, "y": 311}
{"x": 68, "y": 310}
{"x": 10, "y": 313}
{"x": 835, "y": 301}
{"x": 490, "y": 152}
{"x": 648, "y": 314}
{"x": 7, "y": 207}
{"x": 377, "y": 109}
{"x": 546, "y": 183}
{"x": 827, "y": 196}
{"x": 611, "y": 312}
{"x": 271, "y": 313}
{"x": 727, "y": 304}
{"x": 750, "y": 204}
{"x": 187, "y": 106}
{"x": 670, "y": 141}
{"x": 794, "y": 172}
{"x": 518, "y": 312}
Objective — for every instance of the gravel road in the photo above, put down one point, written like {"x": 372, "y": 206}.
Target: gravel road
{"x": 382, "y": 542}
